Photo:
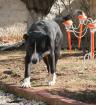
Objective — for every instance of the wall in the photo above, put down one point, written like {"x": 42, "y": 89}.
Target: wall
{"x": 93, "y": 8}
{"x": 13, "y": 19}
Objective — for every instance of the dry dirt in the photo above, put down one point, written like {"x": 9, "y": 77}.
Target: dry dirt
{"x": 76, "y": 78}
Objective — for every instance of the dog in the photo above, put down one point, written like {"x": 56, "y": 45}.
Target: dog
{"x": 43, "y": 36}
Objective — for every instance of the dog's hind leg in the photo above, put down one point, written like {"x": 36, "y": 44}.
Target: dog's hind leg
{"x": 46, "y": 61}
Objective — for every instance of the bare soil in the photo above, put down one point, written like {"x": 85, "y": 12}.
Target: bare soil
{"x": 76, "y": 78}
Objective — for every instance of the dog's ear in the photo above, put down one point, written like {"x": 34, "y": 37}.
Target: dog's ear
{"x": 25, "y": 36}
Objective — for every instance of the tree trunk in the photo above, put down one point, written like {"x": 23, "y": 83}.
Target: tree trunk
{"x": 39, "y": 6}
{"x": 93, "y": 8}
{"x": 37, "y": 9}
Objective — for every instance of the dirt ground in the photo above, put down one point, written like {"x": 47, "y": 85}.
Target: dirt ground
{"x": 76, "y": 78}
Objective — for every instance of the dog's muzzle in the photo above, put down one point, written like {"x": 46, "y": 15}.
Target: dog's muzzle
{"x": 35, "y": 58}
{"x": 34, "y": 61}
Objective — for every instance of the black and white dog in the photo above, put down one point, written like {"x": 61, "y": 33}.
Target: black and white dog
{"x": 42, "y": 36}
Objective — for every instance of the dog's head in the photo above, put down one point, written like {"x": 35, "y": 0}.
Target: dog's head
{"x": 36, "y": 44}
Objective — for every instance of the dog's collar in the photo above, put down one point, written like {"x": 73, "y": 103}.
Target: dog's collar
{"x": 36, "y": 32}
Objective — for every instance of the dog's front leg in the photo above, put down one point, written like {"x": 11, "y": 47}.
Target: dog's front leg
{"x": 52, "y": 65}
{"x": 26, "y": 82}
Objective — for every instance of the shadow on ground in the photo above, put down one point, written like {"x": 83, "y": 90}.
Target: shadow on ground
{"x": 86, "y": 96}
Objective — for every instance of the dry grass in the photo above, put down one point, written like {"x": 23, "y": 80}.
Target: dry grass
{"x": 10, "y": 39}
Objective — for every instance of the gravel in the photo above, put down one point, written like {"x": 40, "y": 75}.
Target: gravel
{"x": 10, "y": 99}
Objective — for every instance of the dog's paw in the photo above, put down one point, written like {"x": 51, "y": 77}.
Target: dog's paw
{"x": 26, "y": 83}
{"x": 51, "y": 83}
